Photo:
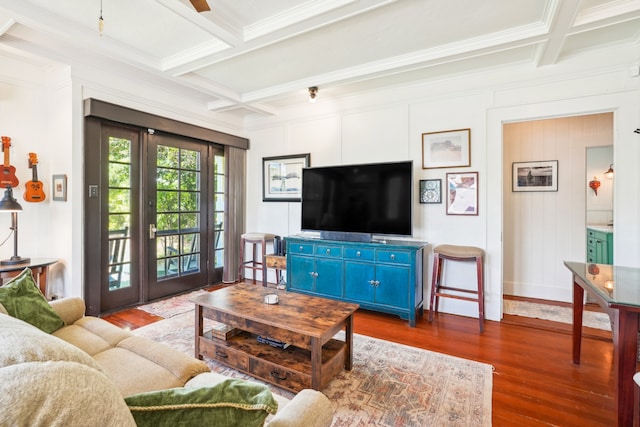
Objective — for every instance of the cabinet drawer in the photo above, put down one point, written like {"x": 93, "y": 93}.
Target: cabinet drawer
{"x": 394, "y": 257}
{"x": 219, "y": 350}
{"x": 329, "y": 251}
{"x": 363, "y": 254}
{"x": 301, "y": 248}
{"x": 286, "y": 378}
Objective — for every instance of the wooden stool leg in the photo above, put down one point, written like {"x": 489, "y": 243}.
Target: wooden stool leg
{"x": 480, "y": 272}
{"x": 435, "y": 284}
{"x": 264, "y": 264}
{"x": 253, "y": 261}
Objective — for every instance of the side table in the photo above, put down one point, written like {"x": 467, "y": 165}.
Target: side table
{"x": 279, "y": 262}
{"x": 39, "y": 267}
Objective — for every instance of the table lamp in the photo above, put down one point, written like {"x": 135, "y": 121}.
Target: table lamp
{"x": 9, "y": 204}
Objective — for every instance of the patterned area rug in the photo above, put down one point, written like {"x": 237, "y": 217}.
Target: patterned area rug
{"x": 556, "y": 313}
{"x": 389, "y": 384}
{"x": 172, "y": 306}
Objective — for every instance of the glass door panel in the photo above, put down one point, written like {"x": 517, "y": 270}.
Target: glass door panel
{"x": 176, "y": 226}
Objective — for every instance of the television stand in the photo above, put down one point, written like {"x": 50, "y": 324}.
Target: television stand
{"x": 381, "y": 277}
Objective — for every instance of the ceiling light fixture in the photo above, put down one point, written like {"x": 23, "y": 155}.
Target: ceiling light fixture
{"x": 100, "y": 21}
{"x": 313, "y": 93}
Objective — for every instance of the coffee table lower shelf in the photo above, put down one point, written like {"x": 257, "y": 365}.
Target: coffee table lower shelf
{"x": 288, "y": 368}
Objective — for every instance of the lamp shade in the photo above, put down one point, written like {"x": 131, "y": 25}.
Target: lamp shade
{"x": 8, "y": 203}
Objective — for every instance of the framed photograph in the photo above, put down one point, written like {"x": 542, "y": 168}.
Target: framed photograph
{"x": 535, "y": 176}
{"x": 430, "y": 191}
{"x": 446, "y": 149}
{"x": 59, "y": 188}
{"x": 462, "y": 193}
{"x": 282, "y": 177}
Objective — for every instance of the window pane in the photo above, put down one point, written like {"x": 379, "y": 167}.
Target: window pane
{"x": 189, "y": 181}
{"x": 119, "y": 175}
{"x": 189, "y": 222}
{"x": 168, "y": 157}
{"x": 190, "y": 160}
{"x": 167, "y": 222}
{"x": 167, "y": 179}
{"x": 167, "y": 201}
{"x": 119, "y": 200}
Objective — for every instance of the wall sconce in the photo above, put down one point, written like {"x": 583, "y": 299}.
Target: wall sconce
{"x": 594, "y": 184}
{"x": 9, "y": 204}
{"x": 609, "y": 173}
{"x": 313, "y": 94}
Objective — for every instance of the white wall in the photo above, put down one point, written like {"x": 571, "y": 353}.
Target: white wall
{"x": 356, "y": 130}
{"x": 378, "y": 126}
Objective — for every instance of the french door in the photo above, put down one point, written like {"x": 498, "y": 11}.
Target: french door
{"x": 176, "y": 219}
{"x": 161, "y": 215}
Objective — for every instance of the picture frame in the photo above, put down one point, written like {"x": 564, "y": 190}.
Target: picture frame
{"x": 462, "y": 193}
{"x": 282, "y": 177}
{"x": 446, "y": 149}
{"x": 59, "y": 188}
{"x": 535, "y": 176}
{"x": 430, "y": 191}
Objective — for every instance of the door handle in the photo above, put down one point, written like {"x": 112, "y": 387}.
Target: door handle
{"x": 152, "y": 231}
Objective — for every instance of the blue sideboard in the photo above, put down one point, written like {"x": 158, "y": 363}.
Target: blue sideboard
{"x": 380, "y": 276}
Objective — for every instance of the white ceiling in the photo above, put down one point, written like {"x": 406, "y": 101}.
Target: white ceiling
{"x": 258, "y": 56}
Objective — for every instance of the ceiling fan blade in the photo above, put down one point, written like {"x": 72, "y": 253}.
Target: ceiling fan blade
{"x": 200, "y": 5}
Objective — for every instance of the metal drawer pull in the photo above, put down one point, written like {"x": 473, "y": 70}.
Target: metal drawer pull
{"x": 221, "y": 354}
{"x": 301, "y": 248}
{"x": 358, "y": 254}
{"x": 328, "y": 251}
{"x": 278, "y": 376}
{"x": 393, "y": 256}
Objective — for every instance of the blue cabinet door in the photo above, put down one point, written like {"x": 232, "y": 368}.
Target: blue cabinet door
{"x": 300, "y": 270}
{"x": 393, "y": 285}
{"x": 329, "y": 277}
{"x": 357, "y": 281}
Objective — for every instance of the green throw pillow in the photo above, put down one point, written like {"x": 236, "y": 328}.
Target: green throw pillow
{"x": 231, "y": 402}
{"x": 22, "y": 299}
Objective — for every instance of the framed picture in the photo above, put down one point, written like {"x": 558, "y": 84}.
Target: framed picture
{"x": 282, "y": 177}
{"x": 535, "y": 176}
{"x": 446, "y": 149}
{"x": 59, "y": 190}
{"x": 462, "y": 193}
{"x": 430, "y": 191}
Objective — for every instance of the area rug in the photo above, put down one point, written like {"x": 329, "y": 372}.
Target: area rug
{"x": 389, "y": 384}
{"x": 555, "y": 313}
{"x": 172, "y": 306}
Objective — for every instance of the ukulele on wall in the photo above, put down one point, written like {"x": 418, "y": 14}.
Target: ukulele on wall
{"x": 34, "y": 192}
{"x": 8, "y": 176}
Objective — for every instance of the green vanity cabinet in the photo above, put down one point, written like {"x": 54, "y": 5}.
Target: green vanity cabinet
{"x": 385, "y": 277}
{"x": 599, "y": 246}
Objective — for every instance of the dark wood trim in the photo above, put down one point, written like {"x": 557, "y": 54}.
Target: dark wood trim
{"x": 117, "y": 113}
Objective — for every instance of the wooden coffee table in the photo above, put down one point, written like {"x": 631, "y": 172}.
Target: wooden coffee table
{"x": 307, "y": 323}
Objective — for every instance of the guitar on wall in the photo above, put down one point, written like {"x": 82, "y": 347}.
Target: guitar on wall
{"x": 34, "y": 192}
{"x": 8, "y": 176}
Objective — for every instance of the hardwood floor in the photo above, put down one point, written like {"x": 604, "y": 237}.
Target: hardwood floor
{"x": 534, "y": 383}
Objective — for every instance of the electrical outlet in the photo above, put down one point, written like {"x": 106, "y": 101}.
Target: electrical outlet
{"x": 93, "y": 191}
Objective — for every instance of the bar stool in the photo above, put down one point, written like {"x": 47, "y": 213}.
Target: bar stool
{"x": 457, "y": 253}
{"x": 254, "y": 239}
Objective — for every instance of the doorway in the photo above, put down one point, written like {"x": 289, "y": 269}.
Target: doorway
{"x": 160, "y": 211}
{"x": 542, "y": 229}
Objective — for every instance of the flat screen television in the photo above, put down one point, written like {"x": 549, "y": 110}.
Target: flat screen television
{"x": 354, "y": 202}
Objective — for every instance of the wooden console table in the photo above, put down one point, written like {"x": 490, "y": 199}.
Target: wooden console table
{"x": 615, "y": 289}
{"x": 39, "y": 267}
{"x": 307, "y": 323}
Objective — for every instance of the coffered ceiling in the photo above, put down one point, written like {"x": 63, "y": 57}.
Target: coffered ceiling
{"x": 259, "y": 56}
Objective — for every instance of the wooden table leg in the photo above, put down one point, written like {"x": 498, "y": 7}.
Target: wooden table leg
{"x": 578, "y": 308}
{"x": 348, "y": 339}
{"x": 316, "y": 364}
{"x": 199, "y": 330}
{"x": 625, "y": 359}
